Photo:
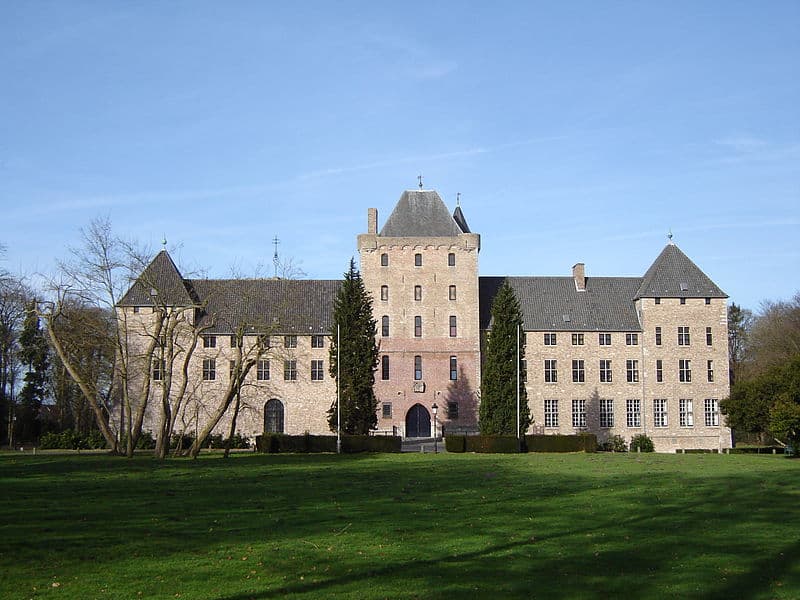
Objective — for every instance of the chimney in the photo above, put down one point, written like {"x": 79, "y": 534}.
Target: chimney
{"x": 372, "y": 220}
{"x": 579, "y": 275}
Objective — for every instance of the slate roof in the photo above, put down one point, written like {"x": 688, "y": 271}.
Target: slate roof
{"x": 606, "y": 305}
{"x": 674, "y": 275}
{"x": 162, "y": 277}
{"x": 460, "y": 220}
{"x": 422, "y": 213}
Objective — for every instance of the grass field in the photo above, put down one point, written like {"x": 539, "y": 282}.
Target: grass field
{"x": 400, "y": 526}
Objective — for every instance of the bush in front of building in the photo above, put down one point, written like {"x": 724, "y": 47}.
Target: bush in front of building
{"x": 455, "y": 442}
{"x": 274, "y": 443}
{"x": 616, "y": 443}
{"x": 491, "y": 444}
{"x": 72, "y": 440}
{"x": 642, "y": 443}
{"x": 584, "y": 442}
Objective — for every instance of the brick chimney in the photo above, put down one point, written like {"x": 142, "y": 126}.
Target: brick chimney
{"x": 579, "y": 275}
{"x": 372, "y": 220}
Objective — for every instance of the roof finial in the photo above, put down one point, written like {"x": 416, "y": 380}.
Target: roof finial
{"x": 275, "y": 259}
{"x": 164, "y": 242}
{"x": 669, "y": 235}
{"x": 458, "y": 199}
{"x": 419, "y": 177}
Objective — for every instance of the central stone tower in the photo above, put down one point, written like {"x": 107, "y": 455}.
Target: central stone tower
{"x": 422, "y": 272}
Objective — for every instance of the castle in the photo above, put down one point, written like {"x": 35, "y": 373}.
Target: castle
{"x": 607, "y": 355}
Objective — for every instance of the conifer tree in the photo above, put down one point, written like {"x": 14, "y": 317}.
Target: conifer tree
{"x": 498, "y": 409}
{"x": 358, "y": 351}
{"x": 34, "y": 355}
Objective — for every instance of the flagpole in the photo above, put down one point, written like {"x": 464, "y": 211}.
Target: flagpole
{"x": 338, "y": 391}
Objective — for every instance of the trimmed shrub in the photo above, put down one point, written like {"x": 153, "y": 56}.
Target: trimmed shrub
{"x": 238, "y": 441}
{"x": 757, "y": 450}
{"x": 455, "y": 443}
{"x": 72, "y": 440}
{"x": 584, "y": 442}
{"x": 616, "y": 443}
{"x": 184, "y": 440}
{"x": 491, "y": 444}
{"x": 697, "y": 451}
{"x": 273, "y": 443}
{"x": 642, "y": 443}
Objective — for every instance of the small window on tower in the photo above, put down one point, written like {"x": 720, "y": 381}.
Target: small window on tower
{"x": 418, "y": 260}
{"x": 451, "y": 260}
{"x": 384, "y": 260}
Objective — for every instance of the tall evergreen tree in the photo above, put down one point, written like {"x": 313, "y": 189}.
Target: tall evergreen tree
{"x": 498, "y": 409}
{"x": 34, "y": 355}
{"x": 358, "y": 351}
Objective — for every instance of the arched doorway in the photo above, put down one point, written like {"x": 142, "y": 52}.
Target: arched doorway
{"x": 273, "y": 416}
{"x": 418, "y": 422}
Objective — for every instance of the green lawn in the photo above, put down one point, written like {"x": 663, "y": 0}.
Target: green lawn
{"x": 400, "y": 526}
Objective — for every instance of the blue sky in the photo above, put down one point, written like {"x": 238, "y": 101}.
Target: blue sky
{"x": 574, "y": 131}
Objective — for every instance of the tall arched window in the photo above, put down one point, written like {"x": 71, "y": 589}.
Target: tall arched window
{"x": 273, "y": 416}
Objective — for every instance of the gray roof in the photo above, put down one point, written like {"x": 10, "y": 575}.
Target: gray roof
{"x": 162, "y": 279}
{"x": 460, "y": 219}
{"x": 554, "y": 304}
{"x": 674, "y": 275}
{"x": 421, "y": 213}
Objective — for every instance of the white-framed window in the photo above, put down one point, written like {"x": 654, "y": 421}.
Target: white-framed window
{"x": 631, "y": 339}
{"x": 710, "y": 370}
{"x": 453, "y": 368}
{"x": 317, "y": 370}
{"x": 209, "y": 369}
{"x": 317, "y": 341}
{"x": 384, "y": 292}
{"x": 550, "y": 339}
{"x": 658, "y": 336}
{"x": 683, "y": 336}
{"x": 709, "y": 337}
{"x": 262, "y": 370}
{"x": 551, "y": 413}
{"x": 634, "y": 413}
{"x": 605, "y": 371}
{"x": 632, "y": 370}
{"x": 579, "y": 414}
{"x": 686, "y": 412}
{"x": 711, "y": 412}
{"x": 606, "y": 412}
{"x": 604, "y": 339}
{"x": 209, "y": 341}
{"x": 290, "y": 370}
{"x": 685, "y": 370}
{"x": 660, "y": 412}
{"x": 550, "y": 370}
{"x": 159, "y": 368}
{"x": 290, "y": 341}
{"x": 577, "y": 339}
{"x": 578, "y": 371}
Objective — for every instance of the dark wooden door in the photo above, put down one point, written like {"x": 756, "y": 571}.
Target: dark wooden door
{"x": 418, "y": 422}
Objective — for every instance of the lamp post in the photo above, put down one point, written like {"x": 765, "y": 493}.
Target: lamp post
{"x": 435, "y": 409}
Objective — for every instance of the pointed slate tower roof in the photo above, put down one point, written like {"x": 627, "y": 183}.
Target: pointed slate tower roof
{"x": 674, "y": 275}
{"x": 458, "y": 217}
{"x": 161, "y": 277}
{"x": 421, "y": 213}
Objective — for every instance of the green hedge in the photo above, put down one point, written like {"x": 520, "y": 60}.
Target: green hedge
{"x": 273, "y": 443}
{"x": 72, "y": 440}
{"x": 455, "y": 443}
{"x": 757, "y": 450}
{"x": 584, "y": 442}
{"x": 491, "y": 444}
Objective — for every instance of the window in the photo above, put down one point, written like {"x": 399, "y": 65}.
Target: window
{"x": 386, "y": 413}
{"x": 549, "y": 339}
{"x": 159, "y": 368}
{"x": 451, "y": 260}
{"x": 711, "y": 412}
{"x": 631, "y": 339}
{"x": 709, "y": 337}
{"x": 317, "y": 371}
{"x": 231, "y": 368}
{"x": 265, "y": 341}
{"x": 685, "y": 370}
{"x": 606, "y": 413}
{"x": 385, "y": 367}
{"x": 417, "y": 368}
{"x": 317, "y": 341}
{"x": 452, "y": 292}
{"x": 136, "y": 310}
{"x": 417, "y": 293}
{"x": 710, "y": 369}
{"x": 452, "y": 410}
{"x": 453, "y": 368}
{"x": 418, "y": 260}
{"x": 659, "y": 412}
{"x": 659, "y": 370}
{"x": 273, "y": 416}
{"x": 683, "y": 336}
{"x": 453, "y": 326}
{"x": 708, "y": 300}
{"x": 384, "y": 292}
{"x": 632, "y": 370}
{"x": 579, "y": 413}
{"x": 578, "y": 373}
{"x": 604, "y": 339}
{"x": 577, "y": 339}
{"x": 634, "y": 413}
{"x": 236, "y": 341}
{"x": 686, "y": 413}
{"x": 657, "y": 300}
{"x": 385, "y": 326}
{"x": 209, "y": 369}
{"x": 384, "y": 260}
{"x": 262, "y": 370}
{"x": 209, "y": 341}
{"x": 605, "y": 371}
{"x": 658, "y": 336}
{"x": 550, "y": 371}
{"x": 290, "y": 341}
{"x": 417, "y": 326}
{"x": 551, "y": 413}
{"x": 290, "y": 370}
{"x": 683, "y": 300}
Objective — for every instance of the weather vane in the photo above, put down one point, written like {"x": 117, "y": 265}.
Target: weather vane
{"x": 275, "y": 260}
{"x": 419, "y": 177}
{"x": 458, "y": 199}
{"x": 669, "y": 235}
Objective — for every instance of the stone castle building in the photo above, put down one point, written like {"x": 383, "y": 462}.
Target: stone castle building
{"x": 608, "y": 355}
